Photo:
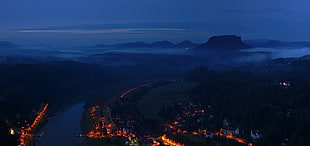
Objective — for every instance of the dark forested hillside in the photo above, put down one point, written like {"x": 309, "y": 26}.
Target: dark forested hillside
{"x": 278, "y": 108}
{"x": 25, "y": 86}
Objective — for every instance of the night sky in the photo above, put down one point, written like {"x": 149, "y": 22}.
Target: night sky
{"x": 84, "y": 22}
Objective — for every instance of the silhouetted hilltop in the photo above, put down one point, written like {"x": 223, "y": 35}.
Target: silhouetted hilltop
{"x": 276, "y": 43}
{"x": 5, "y": 44}
{"x": 162, "y": 44}
{"x": 100, "y": 46}
{"x": 273, "y": 43}
{"x": 9, "y": 49}
{"x": 187, "y": 44}
{"x": 132, "y": 45}
{"x": 266, "y": 43}
{"x": 305, "y": 57}
{"x": 158, "y": 44}
{"x": 224, "y": 42}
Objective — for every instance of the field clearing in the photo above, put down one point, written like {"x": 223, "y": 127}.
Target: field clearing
{"x": 152, "y": 102}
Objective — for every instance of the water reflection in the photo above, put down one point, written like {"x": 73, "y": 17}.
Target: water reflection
{"x": 63, "y": 127}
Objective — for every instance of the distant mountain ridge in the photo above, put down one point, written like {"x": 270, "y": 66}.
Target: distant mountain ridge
{"x": 162, "y": 44}
{"x": 224, "y": 42}
{"x": 130, "y": 45}
{"x": 6, "y": 44}
{"x": 158, "y": 44}
{"x": 265, "y": 43}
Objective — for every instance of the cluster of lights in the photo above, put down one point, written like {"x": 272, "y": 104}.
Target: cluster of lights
{"x": 230, "y": 136}
{"x": 203, "y": 132}
{"x": 97, "y": 132}
{"x": 25, "y": 133}
{"x": 170, "y": 142}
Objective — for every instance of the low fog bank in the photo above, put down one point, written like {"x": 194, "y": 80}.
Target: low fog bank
{"x": 161, "y": 60}
{"x": 282, "y": 52}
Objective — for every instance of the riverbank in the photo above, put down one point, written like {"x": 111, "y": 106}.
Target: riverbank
{"x": 65, "y": 122}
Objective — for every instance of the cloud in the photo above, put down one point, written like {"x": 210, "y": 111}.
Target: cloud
{"x": 102, "y": 31}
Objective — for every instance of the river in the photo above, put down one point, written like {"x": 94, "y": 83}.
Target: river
{"x": 62, "y": 128}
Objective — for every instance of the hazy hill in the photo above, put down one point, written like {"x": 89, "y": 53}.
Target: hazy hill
{"x": 263, "y": 43}
{"x": 132, "y": 45}
{"x": 187, "y": 44}
{"x": 5, "y": 44}
{"x": 157, "y": 44}
{"x": 266, "y": 43}
{"x": 162, "y": 44}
